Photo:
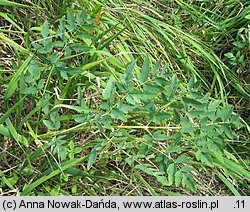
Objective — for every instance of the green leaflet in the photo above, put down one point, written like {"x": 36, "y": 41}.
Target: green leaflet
{"x": 45, "y": 29}
{"x": 91, "y": 159}
{"x": 109, "y": 91}
{"x": 144, "y": 74}
{"x": 129, "y": 72}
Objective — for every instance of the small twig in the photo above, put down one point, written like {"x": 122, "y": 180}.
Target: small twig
{"x": 90, "y": 96}
{"x": 59, "y": 98}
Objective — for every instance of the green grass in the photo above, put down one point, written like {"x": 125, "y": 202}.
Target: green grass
{"x": 154, "y": 102}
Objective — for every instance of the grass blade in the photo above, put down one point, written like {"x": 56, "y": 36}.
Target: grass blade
{"x": 28, "y": 189}
{"x": 12, "y": 86}
{"x": 12, "y": 4}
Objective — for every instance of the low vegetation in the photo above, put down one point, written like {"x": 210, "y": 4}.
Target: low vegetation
{"x": 124, "y": 97}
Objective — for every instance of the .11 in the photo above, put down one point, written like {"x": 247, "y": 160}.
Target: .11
{"x": 240, "y": 204}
